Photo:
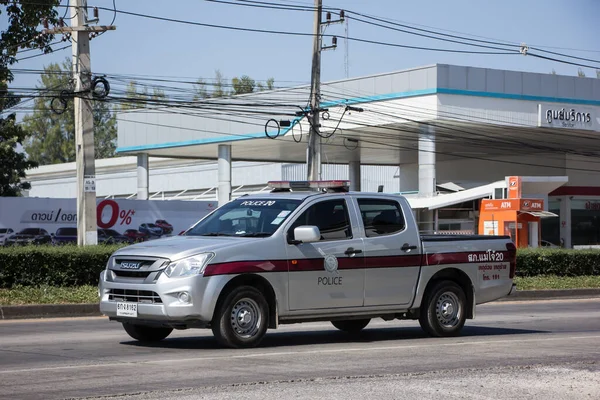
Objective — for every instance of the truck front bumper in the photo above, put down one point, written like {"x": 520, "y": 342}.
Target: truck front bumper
{"x": 177, "y": 302}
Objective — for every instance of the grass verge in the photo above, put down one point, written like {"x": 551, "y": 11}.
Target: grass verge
{"x": 89, "y": 294}
{"x": 542, "y": 282}
{"x": 21, "y": 295}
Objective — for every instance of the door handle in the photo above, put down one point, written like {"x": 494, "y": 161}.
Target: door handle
{"x": 351, "y": 251}
{"x": 407, "y": 247}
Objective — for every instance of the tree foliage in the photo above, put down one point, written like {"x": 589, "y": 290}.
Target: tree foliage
{"x": 13, "y": 163}
{"x": 52, "y": 136}
{"x": 24, "y": 18}
{"x": 138, "y": 96}
{"x": 243, "y": 85}
{"x": 219, "y": 89}
{"x": 200, "y": 90}
{"x": 21, "y": 31}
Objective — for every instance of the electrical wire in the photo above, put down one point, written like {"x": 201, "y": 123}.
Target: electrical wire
{"x": 288, "y": 33}
{"x": 394, "y": 26}
{"x": 562, "y": 61}
{"x": 403, "y": 109}
{"x": 43, "y": 54}
{"x": 388, "y": 146}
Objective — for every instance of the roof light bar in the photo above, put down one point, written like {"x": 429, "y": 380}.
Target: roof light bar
{"x": 306, "y": 185}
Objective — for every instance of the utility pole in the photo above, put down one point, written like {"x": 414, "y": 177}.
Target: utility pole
{"x": 313, "y": 154}
{"x": 87, "y": 233}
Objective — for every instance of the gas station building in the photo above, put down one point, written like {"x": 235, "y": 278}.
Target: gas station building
{"x": 456, "y": 138}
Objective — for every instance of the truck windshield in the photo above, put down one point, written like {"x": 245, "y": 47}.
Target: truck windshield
{"x": 246, "y": 218}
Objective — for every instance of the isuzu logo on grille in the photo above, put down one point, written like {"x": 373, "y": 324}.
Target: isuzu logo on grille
{"x": 130, "y": 265}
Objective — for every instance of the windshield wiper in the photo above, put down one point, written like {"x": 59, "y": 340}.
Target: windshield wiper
{"x": 215, "y": 234}
{"x": 255, "y": 234}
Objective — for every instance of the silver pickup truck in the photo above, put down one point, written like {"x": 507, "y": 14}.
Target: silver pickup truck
{"x": 299, "y": 254}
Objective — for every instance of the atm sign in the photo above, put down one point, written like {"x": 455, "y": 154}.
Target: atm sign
{"x": 532, "y": 205}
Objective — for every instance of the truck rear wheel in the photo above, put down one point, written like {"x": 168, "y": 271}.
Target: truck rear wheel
{"x": 242, "y": 318}
{"x": 351, "y": 325}
{"x": 145, "y": 333}
{"x": 443, "y": 310}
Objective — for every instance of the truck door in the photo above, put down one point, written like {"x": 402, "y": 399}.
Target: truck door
{"x": 392, "y": 252}
{"x": 328, "y": 273}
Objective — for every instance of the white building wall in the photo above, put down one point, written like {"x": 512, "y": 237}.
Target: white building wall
{"x": 582, "y": 171}
{"x": 371, "y": 175}
{"x": 488, "y": 110}
{"x": 117, "y": 177}
{"x": 497, "y": 168}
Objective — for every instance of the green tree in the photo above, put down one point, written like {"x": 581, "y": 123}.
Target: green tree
{"x": 200, "y": 90}
{"x": 105, "y": 130}
{"x": 138, "y": 97}
{"x": 52, "y": 136}
{"x": 243, "y": 85}
{"x": 580, "y": 73}
{"x": 269, "y": 85}
{"x": 598, "y": 73}
{"x": 219, "y": 85}
{"x": 21, "y": 30}
{"x": 13, "y": 163}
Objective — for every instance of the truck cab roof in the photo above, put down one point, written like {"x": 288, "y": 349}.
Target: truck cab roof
{"x": 303, "y": 195}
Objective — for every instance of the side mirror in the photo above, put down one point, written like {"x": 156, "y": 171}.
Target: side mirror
{"x": 307, "y": 234}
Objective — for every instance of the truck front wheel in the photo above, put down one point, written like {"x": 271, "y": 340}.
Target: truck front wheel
{"x": 145, "y": 333}
{"x": 443, "y": 310}
{"x": 352, "y": 326}
{"x": 242, "y": 318}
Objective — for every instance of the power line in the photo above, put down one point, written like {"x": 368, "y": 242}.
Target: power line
{"x": 427, "y": 32}
{"x": 380, "y": 136}
{"x": 563, "y": 61}
{"x": 43, "y": 54}
{"x": 395, "y": 147}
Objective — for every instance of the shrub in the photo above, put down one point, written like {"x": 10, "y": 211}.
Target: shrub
{"x": 53, "y": 265}
{"x": 560, "y": 262}
{"x": 77, "y": 266}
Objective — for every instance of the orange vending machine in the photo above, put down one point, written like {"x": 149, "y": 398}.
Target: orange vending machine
{"x": 517, "y": 218}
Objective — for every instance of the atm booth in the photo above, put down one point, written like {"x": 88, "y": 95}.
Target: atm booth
{"x": 517, "y": 218}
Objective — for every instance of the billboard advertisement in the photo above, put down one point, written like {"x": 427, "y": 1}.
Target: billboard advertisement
{"x": 44, "y": 220}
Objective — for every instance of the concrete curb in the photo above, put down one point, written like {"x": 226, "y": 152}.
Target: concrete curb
{"x": 49, "y": 311}
{"x": 528, "y": 295}
{"x": 92, "y": 310}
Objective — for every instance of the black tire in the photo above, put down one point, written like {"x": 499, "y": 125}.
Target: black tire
{"x": 443, "y": 311}
{"x": 242, "y": 318}
{"x": 352, "y": 326}
{"x": 145, "y": 333}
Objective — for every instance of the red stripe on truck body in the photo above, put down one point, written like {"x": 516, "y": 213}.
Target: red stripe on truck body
{"x": 344, "y": 263}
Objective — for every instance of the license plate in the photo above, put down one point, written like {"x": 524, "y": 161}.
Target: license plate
{"x": 127, "y": 310}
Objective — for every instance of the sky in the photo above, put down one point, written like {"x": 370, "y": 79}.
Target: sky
{"x": 141, "y": 46}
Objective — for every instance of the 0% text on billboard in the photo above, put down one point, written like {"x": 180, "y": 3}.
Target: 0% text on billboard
{"x": 108, "y": 213}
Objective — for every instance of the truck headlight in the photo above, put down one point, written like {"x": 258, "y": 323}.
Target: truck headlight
{"x": 193, "y": 265}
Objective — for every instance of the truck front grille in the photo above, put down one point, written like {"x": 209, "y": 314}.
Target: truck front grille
{"x": 134, "y": 296}
{"x": 135, "y": 269}
{"x": 132, "y": 274}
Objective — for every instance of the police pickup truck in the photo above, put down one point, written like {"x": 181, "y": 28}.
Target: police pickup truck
{"x": 310, "y": 251}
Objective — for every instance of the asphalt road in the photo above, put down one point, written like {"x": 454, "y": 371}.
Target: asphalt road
{"x": 512, "y": 350}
